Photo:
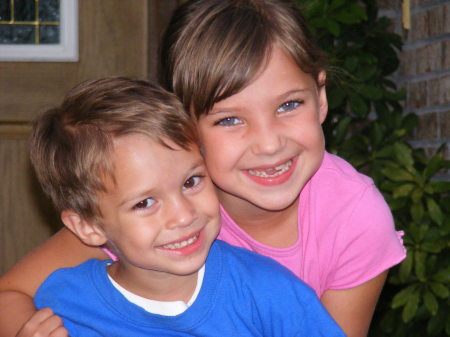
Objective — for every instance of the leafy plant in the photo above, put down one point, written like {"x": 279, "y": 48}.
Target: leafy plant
{"x": 367, "y": 126}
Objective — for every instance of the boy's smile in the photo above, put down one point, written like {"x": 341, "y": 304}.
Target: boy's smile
{"x": 160, "y": 215}
{"x": 264, "y": 143}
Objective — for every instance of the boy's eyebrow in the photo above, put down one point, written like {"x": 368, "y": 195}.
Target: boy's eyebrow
{"x": 199, "y": 163}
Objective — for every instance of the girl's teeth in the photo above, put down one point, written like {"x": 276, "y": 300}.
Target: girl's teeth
{"x": 272, "y": 172}
{"x": 181, "y": 244}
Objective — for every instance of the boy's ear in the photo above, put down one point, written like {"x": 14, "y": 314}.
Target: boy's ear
{"x": 323, "y": 102}
{"x": 88, "y": 231}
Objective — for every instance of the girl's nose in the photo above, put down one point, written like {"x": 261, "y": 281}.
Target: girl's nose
{"x": 268, "y": 138}
{"x": 180, "y": 213}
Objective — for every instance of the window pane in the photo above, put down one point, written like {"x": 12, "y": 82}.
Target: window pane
{"x": 24, "y": 10}
{"x": 49, "y": 34}
{"x": 5, "y": 11}
{"x": 49, "y": 10}
{"x": 17, "y": 34}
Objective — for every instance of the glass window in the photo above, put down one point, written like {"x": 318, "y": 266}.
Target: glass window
{"x": 38, "y": 30}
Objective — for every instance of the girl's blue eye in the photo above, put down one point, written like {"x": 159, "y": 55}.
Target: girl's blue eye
{"x": 146, "y": 203}
{"x": 229, "y": 121}
{"x": 192, "y": 182}
{"x": 288, "y": 106}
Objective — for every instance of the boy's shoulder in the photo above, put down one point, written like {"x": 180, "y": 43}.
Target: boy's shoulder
{"x": 72, "y": 279}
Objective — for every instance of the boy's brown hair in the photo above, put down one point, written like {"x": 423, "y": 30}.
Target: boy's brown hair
{"x": 71, "y": 145}
{"x": 212, "y": 49}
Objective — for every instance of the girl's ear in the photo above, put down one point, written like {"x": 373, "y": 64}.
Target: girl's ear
{"x": 323, "y": 102}
{"x": 88, "y": 231}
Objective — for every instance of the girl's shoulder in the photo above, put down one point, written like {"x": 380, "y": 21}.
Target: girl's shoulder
{"x": 335, "y": 167}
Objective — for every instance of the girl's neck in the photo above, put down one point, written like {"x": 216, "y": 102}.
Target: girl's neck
{"x": 277, "y": 229}
{"x": 154, "y": 285}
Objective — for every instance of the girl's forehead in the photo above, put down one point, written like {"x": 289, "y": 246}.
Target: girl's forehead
{"x": 278, "y": 77}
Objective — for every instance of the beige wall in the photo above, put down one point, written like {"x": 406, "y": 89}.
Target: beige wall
{"x": 116, "y": 37}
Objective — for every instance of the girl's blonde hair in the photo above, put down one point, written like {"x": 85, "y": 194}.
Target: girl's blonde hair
{"x": 212, "y": 49}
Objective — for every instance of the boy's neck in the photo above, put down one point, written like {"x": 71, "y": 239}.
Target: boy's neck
{"x": 277, "y": 229}
{"x": 154, "y": 285}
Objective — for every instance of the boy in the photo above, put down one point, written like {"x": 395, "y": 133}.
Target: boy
{"x": 120, "y": 162}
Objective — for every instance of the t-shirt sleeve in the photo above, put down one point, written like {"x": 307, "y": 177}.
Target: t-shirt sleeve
{"x": 367, "y": 245}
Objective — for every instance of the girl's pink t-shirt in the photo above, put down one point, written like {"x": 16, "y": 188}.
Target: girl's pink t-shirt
{"x": 346, "y": 231}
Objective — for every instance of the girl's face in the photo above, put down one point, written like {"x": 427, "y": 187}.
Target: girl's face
{"x": 263, "y": 144}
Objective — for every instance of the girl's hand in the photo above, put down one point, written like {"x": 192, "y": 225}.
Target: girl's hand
{"x": 44, "y": 323}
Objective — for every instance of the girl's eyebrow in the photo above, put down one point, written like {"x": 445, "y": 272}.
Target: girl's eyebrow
{"x": 282, "y": 96}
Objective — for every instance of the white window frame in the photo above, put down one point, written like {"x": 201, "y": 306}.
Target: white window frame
{"x": 65, "y": 51}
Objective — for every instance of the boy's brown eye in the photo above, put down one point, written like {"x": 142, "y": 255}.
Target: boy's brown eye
{"x": 191, "y": 182}
{"x": 144, "y": 203}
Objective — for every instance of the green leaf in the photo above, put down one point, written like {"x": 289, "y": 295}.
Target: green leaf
{"x": 396, "y": 173}
{"x": 417, "y": 195}
{"x": 342, "y": 129}
{"x": 404, "y": 154}
{"x": 358, "y": 105}
{"x": 440, "y": 186}
{"x": 402, "y": 297}
{"x": 403, "y": 190}
{"x": 442, "y": 275}
{"x": 435, "y": 211}
{"x": 406, "y": 266}
{"x": 350, "y": 63}
{"x": 410, "y": 308}
{"x": 366, "y": 72}
{"x": 430, "y": 302}
{"x": 433, "y": 247}
{"x": 434, "y": 165}
{"x": 439, "y": 289}
{"x": 419, "y": 265}
{"x": 417, "y": 211}
{"x": 347, "y": 17}
{"x": 337, "y": 3}
{"x": 333, "y": 27}
{"x": 371, "y": 92}
{"x": 335, "y": 97}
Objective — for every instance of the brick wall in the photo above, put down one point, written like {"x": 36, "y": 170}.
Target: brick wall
{"x": 425, "y": 68}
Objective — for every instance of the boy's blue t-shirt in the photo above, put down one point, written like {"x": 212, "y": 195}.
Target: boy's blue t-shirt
{"x": 243, "y": 294}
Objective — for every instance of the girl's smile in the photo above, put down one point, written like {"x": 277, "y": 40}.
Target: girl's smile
{"x": 272, "y": 174}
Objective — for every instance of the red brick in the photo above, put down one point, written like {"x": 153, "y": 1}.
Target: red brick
{"x": 419, "y": 26}
{"x": 446, "y": 54}
{"x": 446, "y": 18}
{"x": 436, "y": 20}
{"x": 445, "y": 90}
{"x": 408, "y": 62}
{"x": 428, "y": 126}
{"x": 444, "y": 123}
{"x": 429, "y": 58}
{"x": 389, "y": 4}
{"x": 434, "y": 97}
{"x": 417, "y": 95}
{"x": 425, "y": 2}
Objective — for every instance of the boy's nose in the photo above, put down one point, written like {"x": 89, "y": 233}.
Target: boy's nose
{"x": 181, "y": 213}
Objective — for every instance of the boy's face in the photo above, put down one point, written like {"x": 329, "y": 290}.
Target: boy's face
{"x": 264, "y": 143}
{"x": 162, "y": 213}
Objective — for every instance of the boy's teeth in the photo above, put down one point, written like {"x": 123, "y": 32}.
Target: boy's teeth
{"x": 272, "y": 172}
{"x": 181, "y": 244}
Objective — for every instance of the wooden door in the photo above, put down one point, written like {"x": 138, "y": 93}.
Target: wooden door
{"x": 116, "y": 37}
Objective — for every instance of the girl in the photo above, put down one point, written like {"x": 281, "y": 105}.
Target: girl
{"x": 253, "y": 81}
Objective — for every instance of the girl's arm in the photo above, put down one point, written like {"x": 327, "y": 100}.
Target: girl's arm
{"x": 20, "y": 283}
{"x": 353, "y": 308}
